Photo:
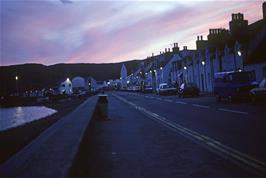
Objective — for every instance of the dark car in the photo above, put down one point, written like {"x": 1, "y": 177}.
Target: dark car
{"x": 148, "y": 89}
{"x": 259, "y": 93}
{"x": 166, "y": 89}
{"x": 188, "y": 89}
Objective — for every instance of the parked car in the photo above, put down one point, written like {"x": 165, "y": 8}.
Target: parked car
{"x": 259, "y": 93}
{"x": 136, "y": 88}
{"x": 188, "y": 89}
{"x": 148, "y": 89}
{"x": 233, "y": 85}
{"x": 165, "y": 89}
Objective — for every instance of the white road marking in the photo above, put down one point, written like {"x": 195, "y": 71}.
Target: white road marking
{"x": 168, "y": 100}
{"x": 233, "y": 111}
{"x": 216, "y": 146}
{"x": 180, "y": 102}
{"x": 201, "y": 106}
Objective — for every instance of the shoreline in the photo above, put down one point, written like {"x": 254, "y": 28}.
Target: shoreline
{"x": 16, "y": 138}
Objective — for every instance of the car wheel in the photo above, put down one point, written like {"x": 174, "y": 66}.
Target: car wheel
{"x": 254, "y": 100}
{"x": 218, "y": 98}
{"x": 231, "y": 99}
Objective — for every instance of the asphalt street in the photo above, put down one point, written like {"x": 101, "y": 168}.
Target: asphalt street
{"x": 165, "y": 136}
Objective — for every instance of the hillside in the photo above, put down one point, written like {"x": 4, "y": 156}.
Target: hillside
{"x": 37, "y": 76}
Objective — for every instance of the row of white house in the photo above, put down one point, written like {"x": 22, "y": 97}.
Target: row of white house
{"x": 78, "y": 84}
{"x": 242, "y": 48}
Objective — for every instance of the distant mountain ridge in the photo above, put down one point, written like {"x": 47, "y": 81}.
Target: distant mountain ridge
{"x": 37, "y": 76}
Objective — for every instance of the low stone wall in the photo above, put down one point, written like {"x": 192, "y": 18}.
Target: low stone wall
{"x": 53, "y": 152}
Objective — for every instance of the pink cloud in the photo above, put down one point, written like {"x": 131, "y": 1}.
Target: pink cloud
{"x": 108, "y": 31}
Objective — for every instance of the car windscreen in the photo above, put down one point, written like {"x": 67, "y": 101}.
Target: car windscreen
{"x": 165, "y": 86}
{"x": 240, "y": 77}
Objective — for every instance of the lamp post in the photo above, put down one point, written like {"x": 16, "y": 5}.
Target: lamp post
{"x": 204, "y": 71}
{"x": 161, "y": 69}
{"x": 185, "y": 68}
{"x": 89, "y": 86}
{"x": 239, "y": 53}
{"x": 155, "y": 76}
{"x": 16, "y": 78}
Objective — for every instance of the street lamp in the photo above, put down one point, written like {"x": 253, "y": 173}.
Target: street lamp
{"x": 203, "y": 63}
{"x": 161, "y": 68}
{"x": 239, "y": 53}
{"x": 185, "y": 68}
{"x": 16, "y": 78}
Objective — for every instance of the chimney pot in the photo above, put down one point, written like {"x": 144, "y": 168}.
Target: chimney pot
{"x": 201, "y": 38}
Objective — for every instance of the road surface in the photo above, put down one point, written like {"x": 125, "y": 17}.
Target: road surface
{"x": 164, "y": 136}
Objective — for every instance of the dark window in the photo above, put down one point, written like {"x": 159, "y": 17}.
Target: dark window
{"x": 240, "y": 77}
{"x": 264, "y": 71}
{"x": 191, "y": 85}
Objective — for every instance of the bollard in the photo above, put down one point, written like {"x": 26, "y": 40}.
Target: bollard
{"x": 103, "y": 106}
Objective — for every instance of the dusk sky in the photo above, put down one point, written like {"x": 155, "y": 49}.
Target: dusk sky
{"x": 54, "y": 31}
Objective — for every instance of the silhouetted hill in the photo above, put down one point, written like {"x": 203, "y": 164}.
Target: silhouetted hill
{"x": 37, "y": 76}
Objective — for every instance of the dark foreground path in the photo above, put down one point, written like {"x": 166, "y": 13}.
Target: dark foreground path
{"x": 131, "y": 144}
